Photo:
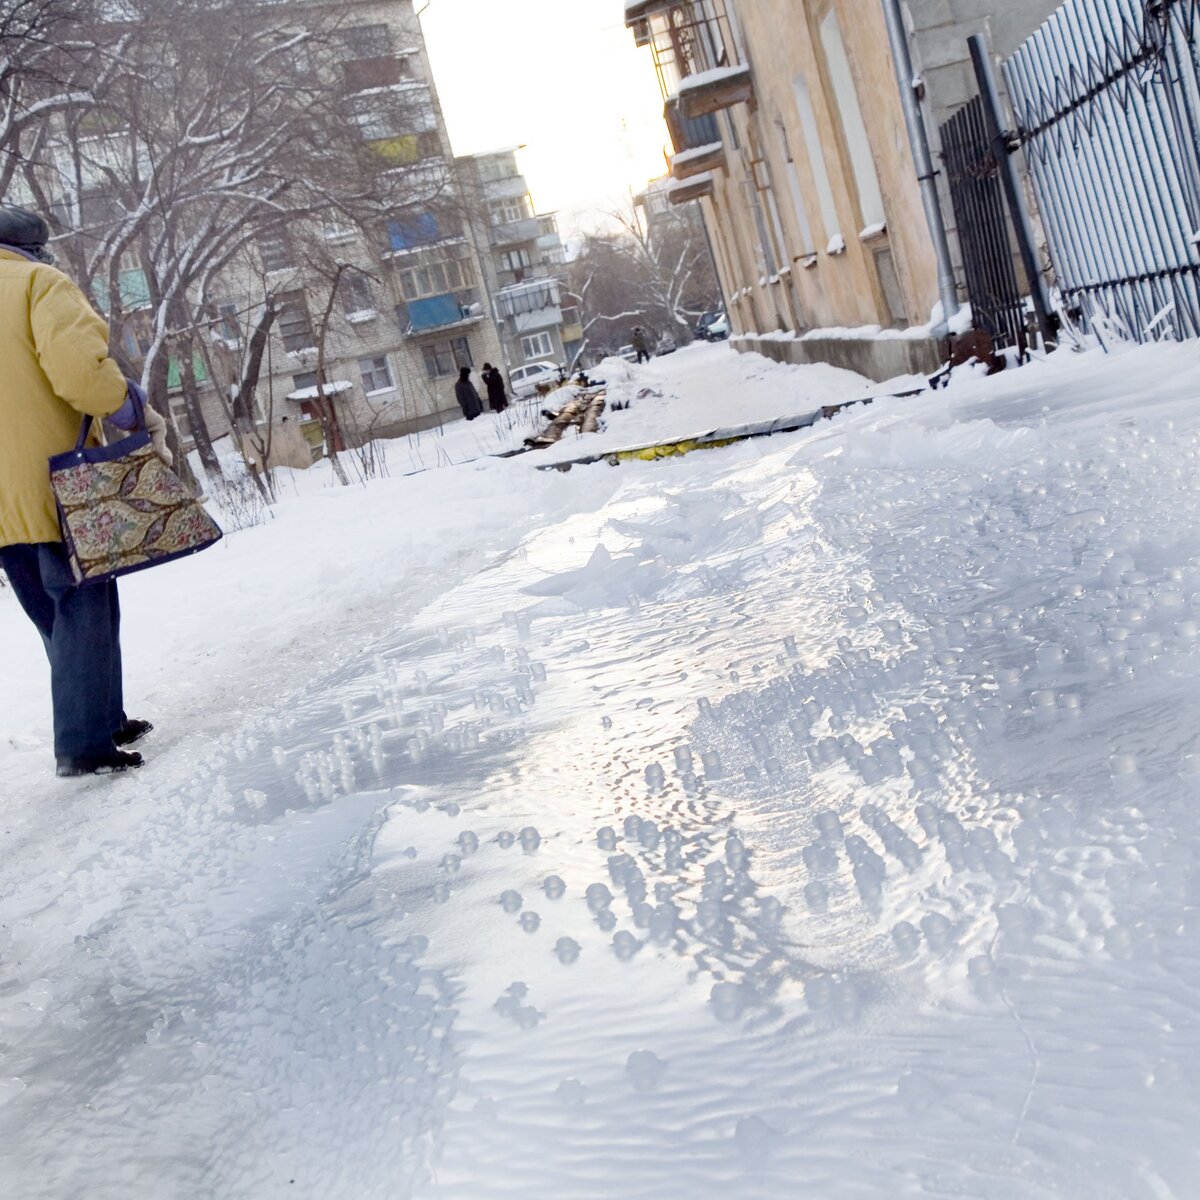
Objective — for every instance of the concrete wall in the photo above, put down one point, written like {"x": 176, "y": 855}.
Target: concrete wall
{"x": 878, "y": 359}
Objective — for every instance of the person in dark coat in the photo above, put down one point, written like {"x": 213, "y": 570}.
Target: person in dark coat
{"x": 467, "y": 396}
{"x": 641, "y": 344}
{"x": 497, "y": 396}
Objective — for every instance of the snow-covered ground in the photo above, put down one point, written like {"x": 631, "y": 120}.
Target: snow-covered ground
{"x": 811, "y": 818}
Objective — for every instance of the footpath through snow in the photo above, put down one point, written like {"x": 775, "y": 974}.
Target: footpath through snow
{"x": 810, "y": 818}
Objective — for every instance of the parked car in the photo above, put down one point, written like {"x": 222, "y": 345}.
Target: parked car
{"x": 526, "y": 380}
{"x": 628, "y": 353}
{"x": 718, "y": 331}
{"x": 701, "y": 330}
{"x": 666, "y": 345}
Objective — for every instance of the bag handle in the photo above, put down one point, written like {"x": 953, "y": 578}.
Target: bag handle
{"x": 139, "y": 409}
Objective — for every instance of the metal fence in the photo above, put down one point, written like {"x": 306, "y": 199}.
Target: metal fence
{"x": 1107, "y": 98}
{"x": 973, "y": 174}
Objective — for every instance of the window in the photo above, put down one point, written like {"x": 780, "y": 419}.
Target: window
{"x": 303, "y": 381}
{"x": 537, "y": 345}
{"x": 407, "y": 233}
{"x": 367, "y": 41}
{"x": 357, "y": 298}
{"x": 377, "y": 117}
{"x": 376, "y": 375}
{"x": 514, "y": 260}
{"x": 433, "y": 279}
{"x": 862, "y": 160}
{"x": 294, "y": 325}
{"x": 364, "y": 73}
{"x": 228, "y": 325}
{"x": 445, "y": 358}
{"x": 807, "y": 245}
{"x": 504, "y": 212}
{"x": 816, "y": 156}
{"x": 275, "y": 252}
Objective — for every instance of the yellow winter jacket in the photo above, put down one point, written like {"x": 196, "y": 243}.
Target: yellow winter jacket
{"x": 54, "y": 366}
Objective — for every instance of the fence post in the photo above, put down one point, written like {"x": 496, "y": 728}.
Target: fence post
{"x": 1002, "y": 148}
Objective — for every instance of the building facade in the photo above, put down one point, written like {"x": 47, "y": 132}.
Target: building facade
{"x": 523, "y": 260}
{"x": 787, "y": 123}
{"x": 404, "y": 305}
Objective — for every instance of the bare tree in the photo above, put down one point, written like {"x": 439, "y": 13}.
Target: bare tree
{"x": 209, "y": 129}
{"x": 661, "y": 276}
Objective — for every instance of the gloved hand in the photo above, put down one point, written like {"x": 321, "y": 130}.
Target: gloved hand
{"x": 126, "y": 417}
{"x": 156, "y": 427}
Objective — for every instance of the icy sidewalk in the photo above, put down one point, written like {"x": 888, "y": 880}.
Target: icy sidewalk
{"x": 808, "y": 819}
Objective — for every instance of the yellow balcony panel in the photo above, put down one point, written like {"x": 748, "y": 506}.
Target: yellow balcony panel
{"x": 702, "y": 159}
{"x": 714, "y": 90}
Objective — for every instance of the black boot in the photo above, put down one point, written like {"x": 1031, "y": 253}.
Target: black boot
{"x": 98, "y": 764}
{"x": 131, "y": 731}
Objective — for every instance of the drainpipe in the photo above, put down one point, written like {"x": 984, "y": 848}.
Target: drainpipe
{"x": 918, "y": 137}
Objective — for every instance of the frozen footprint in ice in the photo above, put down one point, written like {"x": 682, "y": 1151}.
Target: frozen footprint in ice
{"x": 571, "y": 1092}
{"x": 728, "y": 1001}
{"x": 554, "y": 887}
{"x": 511, "y": 901}
{"x": 645, "y": 1069}
{"x": 566, "y": 950}
{"x": 510, "y": 1006}
{"x": 530, "y": 922}
{"x": 530, "y": 839}
{"x": 625, "y": 945}
{"x": 754, "y": 1138}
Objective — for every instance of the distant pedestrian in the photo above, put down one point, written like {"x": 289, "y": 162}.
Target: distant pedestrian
{"x": 494, "y": 381}
{"x": 467, "y": 396}
{"x": 57, "y": 368}
{"x": 640, "y": 344}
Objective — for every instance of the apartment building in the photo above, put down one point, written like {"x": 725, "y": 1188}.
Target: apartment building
{"x": 787, "y": 123}
{"x": 523, "y": 260}
{"x": 410, "y": 305}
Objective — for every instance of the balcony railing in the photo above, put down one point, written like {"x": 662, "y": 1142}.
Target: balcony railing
{"x": 695, "y": 53}
{"x": 513, "y": 232}
{"x": 441, "y": 312}
{"x": 525, "y": 298}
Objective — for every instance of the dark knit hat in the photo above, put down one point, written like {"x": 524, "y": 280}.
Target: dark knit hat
{"x": 26, "y": 231}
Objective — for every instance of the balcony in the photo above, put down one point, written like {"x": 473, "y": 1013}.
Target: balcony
{"x": 695, "y": 52}
{"x": 714, "y": 90}
{"x": 434, "y": 314}
{"x": 688, "y": 134}
{"x": 533, "y": 296}
{"x": 512, "y": 233}
{"x": 695, "y": 188}
{"x": 697, "y": 162}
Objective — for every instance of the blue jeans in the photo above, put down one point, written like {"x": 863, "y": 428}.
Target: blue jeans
{"x": 81, "y": 628}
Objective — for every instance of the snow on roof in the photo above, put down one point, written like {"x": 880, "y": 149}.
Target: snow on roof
{"x": 717, "y": 75}
{"x": 330, "y": 389}
{"x": 692, "y": 181}
{"x": 686, "y": 156}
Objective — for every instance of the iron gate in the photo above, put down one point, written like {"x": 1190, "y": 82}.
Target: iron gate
{"x": 1107, "y": 97}
{"x": 973, "y": 174}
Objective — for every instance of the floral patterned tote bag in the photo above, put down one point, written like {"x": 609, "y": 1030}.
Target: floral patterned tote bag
{"x": 122, "y": 509}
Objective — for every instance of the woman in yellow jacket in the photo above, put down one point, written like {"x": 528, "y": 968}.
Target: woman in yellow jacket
{"x": 56, "y": 366}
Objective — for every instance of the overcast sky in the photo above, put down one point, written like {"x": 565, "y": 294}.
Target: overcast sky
{"x": 562, "y": 77}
